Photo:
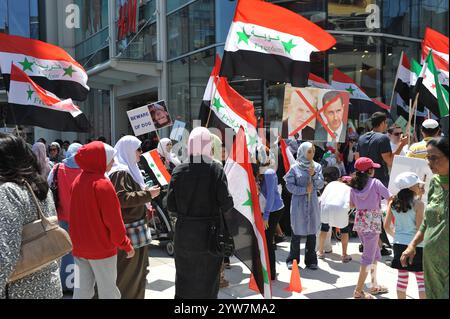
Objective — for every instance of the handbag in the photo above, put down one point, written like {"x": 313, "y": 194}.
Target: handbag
{"x": 54, "y": 186}
{"x": 43, "y": 242}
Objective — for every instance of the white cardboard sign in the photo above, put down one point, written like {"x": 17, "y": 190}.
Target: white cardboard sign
{"x": 141, "y": 121}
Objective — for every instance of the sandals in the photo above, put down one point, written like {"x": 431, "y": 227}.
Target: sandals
{"x": 320, "y": 255}
{"x": 362, "y": 295}
{"x": 347, "y": 259}
{"x": 378, "y": 290}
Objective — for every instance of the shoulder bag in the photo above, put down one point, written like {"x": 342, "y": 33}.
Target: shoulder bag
{"x": 43, "y": 242}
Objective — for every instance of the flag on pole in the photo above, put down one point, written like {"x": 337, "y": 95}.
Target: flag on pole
{"x": 245, "y": 221}
{"x": 431, "y": 92}
{"x": 231, "y": 110}
{"x": 157, "y": 166}
{"x": 47, "y": 65}
{"x": 403, "y": 78}
{"x": 29, "y": 104}
{"x": 360, "y": 102}
{"x": 270, "y": 42}
{"x": 209, "y": 91}
{"x": 317, "y": 82}
{"x": 288, "y": 158}
{"x": 438, "y": 43}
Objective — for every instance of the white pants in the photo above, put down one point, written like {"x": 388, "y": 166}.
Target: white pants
{"x": 88, "y": 272}
{"x": 327, "y": 246}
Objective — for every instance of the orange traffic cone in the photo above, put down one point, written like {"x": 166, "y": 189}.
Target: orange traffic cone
{"x": 295, "y": 285}
{"x": 252, "y": 284}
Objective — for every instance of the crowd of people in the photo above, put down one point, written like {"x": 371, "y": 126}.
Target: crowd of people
{"x": 102, "y": 197}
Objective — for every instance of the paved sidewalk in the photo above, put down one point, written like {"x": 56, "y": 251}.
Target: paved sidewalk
{"x": 333, "y": 279}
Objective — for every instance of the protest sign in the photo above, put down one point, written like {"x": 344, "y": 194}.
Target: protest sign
{"x": 160, "y": 115}
{"x": 177, "y": 130}
{"x": 141, "y": 121}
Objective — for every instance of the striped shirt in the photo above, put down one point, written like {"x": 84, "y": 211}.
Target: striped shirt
{"x": 419, "y": 150}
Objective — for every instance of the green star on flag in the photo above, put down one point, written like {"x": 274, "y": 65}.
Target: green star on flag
{"x": 158, "y": 175}
{"x": 30, "y": 93}
{"x": 249, "y": 201}
{"x": 26, "y": 65}
{"x": 217, "y": 104}
{"x": 288, "y": 46}
{"x": 243, "y": 36}
{"x": 69, "y": 71}
{"x": 350, "y": 90}
{"x": 252, "y": 140}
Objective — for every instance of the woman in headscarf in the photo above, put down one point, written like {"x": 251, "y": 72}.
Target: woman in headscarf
{"x": 197, "y": 195}
{"x": 165, "y": 152}
{"x": 63, "y": 174}
{"x": 303, "y": 181}
{"x": 42, "y": 159}
{"x": 134, "y": 197}
{"x": 55, "y": 154}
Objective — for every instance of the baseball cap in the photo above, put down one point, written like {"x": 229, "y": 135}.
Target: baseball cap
{"x": 407, "y": 180}
{"x": 363, "y": 164}
{"x": 430, "y": 124}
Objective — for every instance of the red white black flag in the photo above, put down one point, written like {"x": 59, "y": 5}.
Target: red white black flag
{"x": 270, "y": 42}
{"x": 49, "y": 66}
{"x": 29, "y": 104}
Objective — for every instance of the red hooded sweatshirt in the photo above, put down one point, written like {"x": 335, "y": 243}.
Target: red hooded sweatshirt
{"x": 96, "y": 225}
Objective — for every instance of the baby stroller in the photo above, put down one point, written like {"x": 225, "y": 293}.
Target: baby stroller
{"x": 160, "y": 222}
{"x": 161, "y": 225}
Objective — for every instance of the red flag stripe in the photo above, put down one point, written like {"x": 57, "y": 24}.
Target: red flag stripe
{"x": 435, "y": 40}
{"x": 237, "y": 103}
{"x": 316, "y": 78}
{"x": 405, "y": 61}
{"x": 35, "y": 48}
{"x": 283, "y": 20}
{"x": 216, "y": 70}
{"x": 19, "y": 76}
{"x": 160, "y": 165}
{"x": 381, "y": 104}
{"x": 339, "y": 76}
{"x": 283, "y": 147}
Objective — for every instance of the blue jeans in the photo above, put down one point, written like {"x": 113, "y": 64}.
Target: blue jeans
{"x": 310, "y": 250}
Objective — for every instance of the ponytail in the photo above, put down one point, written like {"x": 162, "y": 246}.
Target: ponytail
{"x": 359, "y": 180}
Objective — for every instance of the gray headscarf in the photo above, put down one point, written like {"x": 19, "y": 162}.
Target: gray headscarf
{"x": 304, "y": 163}
{"x": 41, "y": 154}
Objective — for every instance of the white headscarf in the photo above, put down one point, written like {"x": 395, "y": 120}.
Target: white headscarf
{"x": 110, "y": 153}
{"x": 168, "y": 156}
{"x": 125, "y": 159}
{"x": 199, "y": 143}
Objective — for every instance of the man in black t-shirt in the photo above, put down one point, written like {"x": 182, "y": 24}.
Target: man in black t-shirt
{"x": 376, "y": 146}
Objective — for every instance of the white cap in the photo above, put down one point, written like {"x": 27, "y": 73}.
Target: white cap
{"x": 430, "y": 124}
{"x": 407, "y": 180}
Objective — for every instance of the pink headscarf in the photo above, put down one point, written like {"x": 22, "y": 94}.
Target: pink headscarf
{"x": 199, "y": 143}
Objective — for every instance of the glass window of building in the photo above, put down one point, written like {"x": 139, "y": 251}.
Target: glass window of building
{"x": 94, "y": 17}
{"x": 200, "y": 66}
{"x": 3, "y": 15}
{"x": 179, "y": 89}
{"x": 175, "y": 4}
{"x": 314, "y": 10}
{"x": 201, "y": 24}
{"x": 19, "y": 18}
{"x": 354, "y": 15}
{"x": 178, "y": 37}
{"x": 34, "y": 19}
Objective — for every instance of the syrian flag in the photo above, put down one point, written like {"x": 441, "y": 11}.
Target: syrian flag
{"x": 231, "y": 110}
{"x": 438, "y": 43}
{"x": 157, "y": 166}
{"x": 49, "y": 66}
{"x": 29, "y": 104}
{"x": 359, "y": 100}
{"x": 288, "y": 158}
{"x": 430, "y": 90}
{"x": 209, "y": 91}
{"x": 403, "y": 78}
{"x": 269, "y": 42}
{"x": 317, "y": 82}
{"x": 245, "y": 221}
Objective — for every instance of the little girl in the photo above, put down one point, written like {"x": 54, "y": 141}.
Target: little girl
{"x": 366, "y": 195}
{"x": 407, "y": 211}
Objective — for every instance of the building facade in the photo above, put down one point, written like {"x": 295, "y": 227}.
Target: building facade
{"x": 140, "y": 51}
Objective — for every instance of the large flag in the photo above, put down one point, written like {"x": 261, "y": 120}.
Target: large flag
{"x": 245, "y": 221}
{"x": 438, "y": 43}
{"x": 430, "y": 90}
{"x": 157, "y": 166}
{"x": 403, "y": 78}
{"x": 49, "y": 66}
{"x": 272, "y": 43}
{"x": 317, "y": 82}
{"x": 360, "y": 102}
{"x": 29, "y": 104}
